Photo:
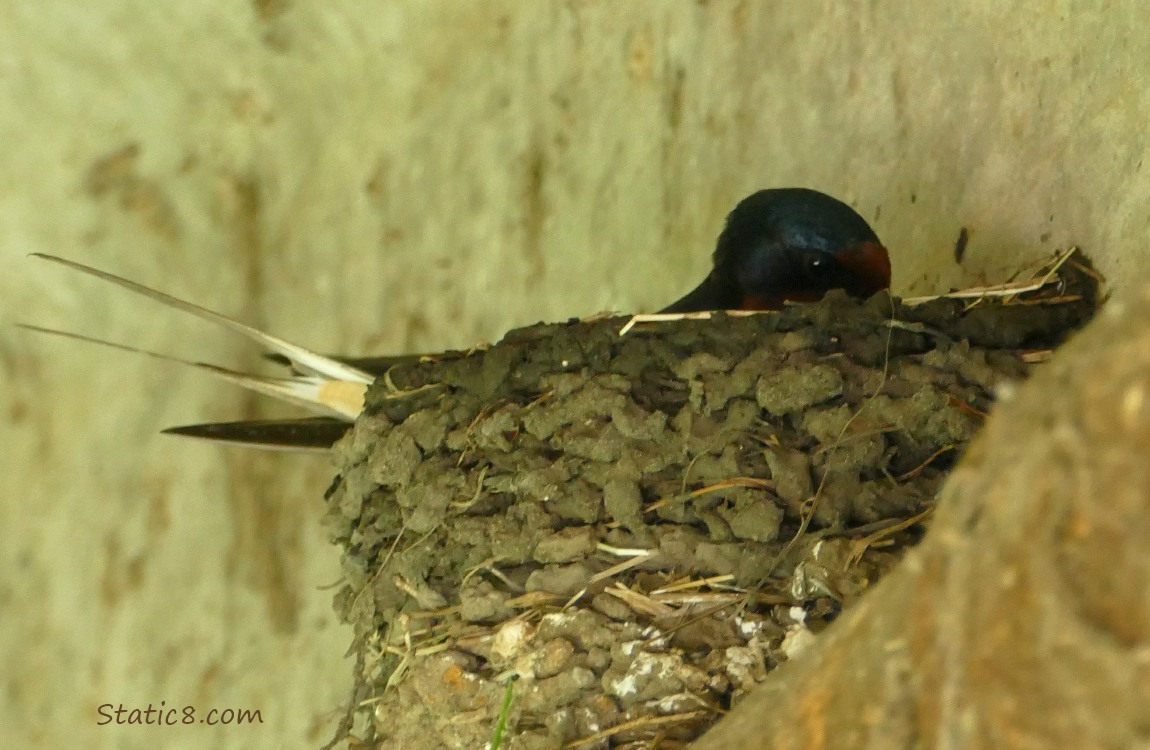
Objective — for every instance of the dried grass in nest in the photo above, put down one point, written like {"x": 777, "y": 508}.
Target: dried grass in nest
{"x": 641, "y": 526}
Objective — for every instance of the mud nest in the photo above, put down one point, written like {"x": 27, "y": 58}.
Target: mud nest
{"x": 640, "y": 527}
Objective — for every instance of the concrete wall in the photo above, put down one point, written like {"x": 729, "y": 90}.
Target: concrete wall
{"x": 401, "y": 175}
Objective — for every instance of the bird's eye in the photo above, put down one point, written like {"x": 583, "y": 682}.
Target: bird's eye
{"x": 818, "y": 265}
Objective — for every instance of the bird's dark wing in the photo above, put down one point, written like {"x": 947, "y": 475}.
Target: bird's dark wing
{"x": 317, "y": 434}
{"x": 708, "y": 295}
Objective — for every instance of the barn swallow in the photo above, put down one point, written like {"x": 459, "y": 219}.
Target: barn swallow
{"x": 780, "y": 245}
{"x": 789, "y": 244}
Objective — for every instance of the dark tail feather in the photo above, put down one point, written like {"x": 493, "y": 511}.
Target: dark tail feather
{"x": 310, "y": 434}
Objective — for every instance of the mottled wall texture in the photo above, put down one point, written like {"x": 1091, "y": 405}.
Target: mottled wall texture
{"x": 398, "y": 175}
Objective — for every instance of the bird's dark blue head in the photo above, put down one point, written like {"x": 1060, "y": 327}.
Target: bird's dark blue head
{"x": 790, "y": 244}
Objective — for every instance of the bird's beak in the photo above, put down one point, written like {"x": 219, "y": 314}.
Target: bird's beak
{"x": 870, "y": 263}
